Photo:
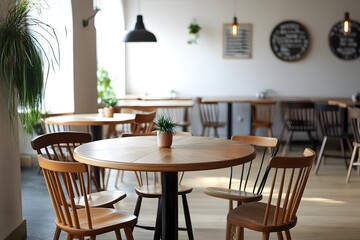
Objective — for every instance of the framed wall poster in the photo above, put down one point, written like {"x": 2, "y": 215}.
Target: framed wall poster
{"x": 238, "y": 46}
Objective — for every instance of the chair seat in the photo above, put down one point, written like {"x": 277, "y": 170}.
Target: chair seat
{"x": 214, "y": 124}
{"x": 101, "y": 199}
{"x": 232, "y": 194}
{"x": 102, "y": 219}
{"x": 251, "y": 216}
{"x": 262, "y": 124}
{"x": 152, "y": 191}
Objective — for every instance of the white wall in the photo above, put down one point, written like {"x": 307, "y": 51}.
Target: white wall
{"x": 200, "y": 70}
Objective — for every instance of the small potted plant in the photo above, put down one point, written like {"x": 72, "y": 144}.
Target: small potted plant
{"x": 194, "y": 30}
{"x": 165, "y": 130}
{"x": 109, "y": 109}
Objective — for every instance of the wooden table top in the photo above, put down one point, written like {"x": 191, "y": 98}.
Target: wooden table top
{"x": 187, "y": 103}
{"x": 90, "y": 119}
{"x": 250, "y": 99}
{"x": 143, "y": 154}
{"x": 343, "y": 103}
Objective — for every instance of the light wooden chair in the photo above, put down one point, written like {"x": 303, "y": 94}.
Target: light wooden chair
{"x": 149, "y": 186}
{"x": 60, "y": 178}
{"x": 262, "y": 116}
{"x": 209, "y": 116}
{"x": 298, "y": 116}
{"x": 178, "y": 115}
{"x": 278, "y": 214}
{"x": 354, "y": 116}
{"x": 50, "y": 128}
{"x": 59, "y": 146}
{"x": 331, "y": 122}
{"x": 143, "y": 123}
{"x": 247, "y": 185}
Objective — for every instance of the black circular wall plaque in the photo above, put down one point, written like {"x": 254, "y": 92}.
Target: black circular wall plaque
{"x": 346, "y": 47}
{"x": 289, "y": 41}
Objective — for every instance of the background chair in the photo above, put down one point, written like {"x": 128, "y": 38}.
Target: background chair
{"x": 290, "y": 175}
{"x": 60, "y": 178}
{"x": 178, "y": 115}
{"x": 143, "y": 123}
{"x": 149, "y": 186}
{"x": 298, "y": 117}
{"x": 331, "y": 121}
{"x": 59, "y": 146}
{"x": 251, "y": 176}
{"x": 50, "y": 128}
{"x": 261, "y": 116}
{"x": 354, "y": 116}
{"x": 209, "y": 116}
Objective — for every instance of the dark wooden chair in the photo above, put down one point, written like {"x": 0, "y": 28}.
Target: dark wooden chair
{"x": 354, "y": 116}
{"x": 262, "y": 116}
{"x": 331, "y": 121}
{"x": 298, "y": 117}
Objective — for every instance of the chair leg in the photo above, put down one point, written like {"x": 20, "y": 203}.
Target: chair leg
{"x": 187, "y": 217}
{"x": 320, "y": 156}
{"x": 351, "y": 164}
{"x": 265, "y": 236}
{"x": 57, "y": 233}
{"x": 128, "y": 233}
{"x": 118, "y": 234}
{"x": 280, "y": 236}
{"x": 203, "y": 131}
{"x": 216, "y": 134}
{"x": 343, "y": 152}
{"x": 137, "y": 207}
{"x": 287, "y": 234}
{"x": 284, "y": 152}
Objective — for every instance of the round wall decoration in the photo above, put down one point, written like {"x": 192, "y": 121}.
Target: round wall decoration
{"x": 345, "y": 47}
{"x": 289, "y": 41}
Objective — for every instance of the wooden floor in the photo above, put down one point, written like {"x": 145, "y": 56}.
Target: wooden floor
{"x": 330, "y": 208}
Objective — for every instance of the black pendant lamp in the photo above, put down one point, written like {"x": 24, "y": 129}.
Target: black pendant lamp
{"x": 139, "y": 34}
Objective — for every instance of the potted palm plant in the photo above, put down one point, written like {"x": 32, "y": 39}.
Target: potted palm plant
{"x": 165, "y": 130}
{"x": 109, "y": 109}
{"x": 25, "y": 47}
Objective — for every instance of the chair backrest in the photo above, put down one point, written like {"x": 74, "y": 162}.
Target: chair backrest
{"x": 330, "y": 119}
{"x": 299, "y": 115}
{"x": 50, "y": 128}
{"x": 289, "y": 178}
{"x": 176, "y": 114}
{"x": 209, "y": 111}
{"x": 143, "y": 123}
{"x": 262, "y": 111}
{"x": 59, "y": 146}
{"x": 59, "y": 178}
{"x": 253, "y": 176}
{"x": 354, "y": 117}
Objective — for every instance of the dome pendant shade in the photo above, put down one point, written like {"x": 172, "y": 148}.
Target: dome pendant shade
{"x": 139, "y": 34}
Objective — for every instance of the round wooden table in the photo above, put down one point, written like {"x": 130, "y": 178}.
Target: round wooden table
{"x": 186, "y": 154}
{"x": 94, "y": 120}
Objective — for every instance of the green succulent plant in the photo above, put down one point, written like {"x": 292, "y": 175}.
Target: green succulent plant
{"x": 110, "y": 102}
{"x": 165, "y": 124}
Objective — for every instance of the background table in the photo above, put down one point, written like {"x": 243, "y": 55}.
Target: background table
{"x": 186, "y": 154}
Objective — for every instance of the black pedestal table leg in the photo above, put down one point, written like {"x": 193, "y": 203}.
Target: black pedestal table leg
{"x": 169, "y": 205}
{"x": 229, "y": 120}
{"x": 96, "y": 135}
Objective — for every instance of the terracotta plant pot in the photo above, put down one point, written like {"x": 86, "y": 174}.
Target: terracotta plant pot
{"x": 109, "y": 112}
{"x": 164, "y": 139}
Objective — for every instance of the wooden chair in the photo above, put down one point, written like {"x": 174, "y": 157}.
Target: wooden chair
{"x": 60, "y": 178}
{"x": 261, "y": 116}
{"x": 278, "y": 214}
{"x": 251, "y": 176}
{"x": 59, "y": 146}
{"x": 354, "y": 116}
{"x": 298, "y": 117}
{"x": 50, "y": 128}
{"x": 331, "y": 122}
{"x": 149, "y": 186}
{"x": 178, "y": 115}
{"x": 209, "y": 116}
{"x": 143, "y": 123}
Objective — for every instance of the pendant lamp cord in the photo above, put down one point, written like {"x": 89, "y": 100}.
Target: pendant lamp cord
{"x": 234, "y": 8}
